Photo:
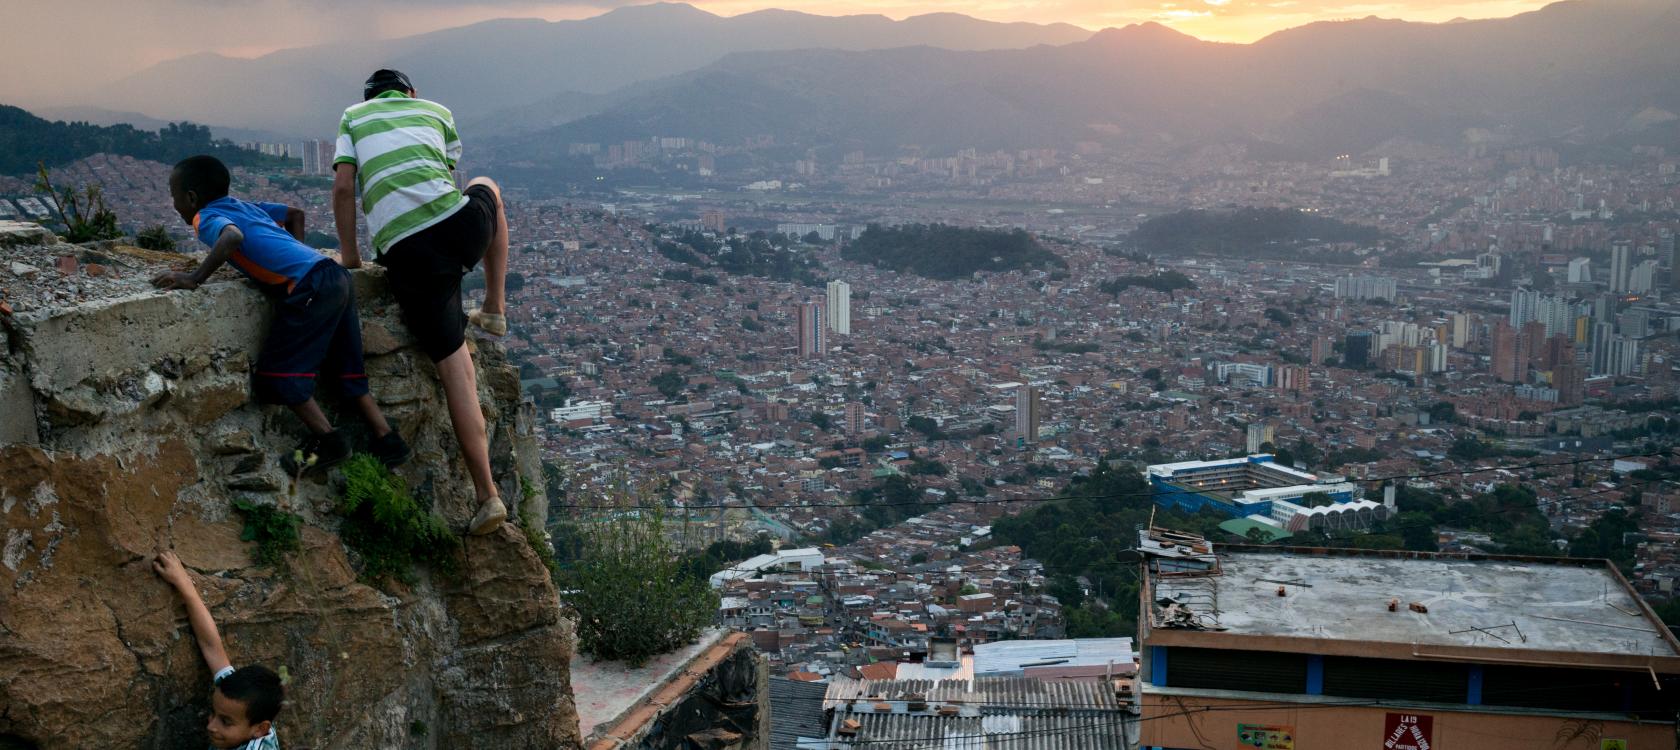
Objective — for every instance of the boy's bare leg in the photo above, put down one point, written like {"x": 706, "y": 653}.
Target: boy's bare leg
{"x": 312, "y": 416}
{"x": 496, "y": 257}
{"x": 370, "y": 412}
{"x": 460, "y": 389}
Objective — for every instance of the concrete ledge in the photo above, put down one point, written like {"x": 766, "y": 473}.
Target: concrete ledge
{"x": 622, "y": 707}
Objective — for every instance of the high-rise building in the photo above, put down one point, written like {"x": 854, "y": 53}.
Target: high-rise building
{"x": 1566, "y": 378}
{"x": 1488, "y": 264}
{"x": 1294, "y": 378}
{"x": 1028, "y": 414}
{"x": 1259, "y": 434}
{"x": 1625, "y": 357}
{"x": 1524, "y": 303}
{"x": 1358, "y": 348}
{"x": 840, "y": 307}
{"x": 1642, "y": 278}
{"x": 1614, "y": 354}
{"x": 1531, "y": 346}
{"x": 317, "y": 156}
{"x": 811, "y": 329}
{"x": 1558, "y": 351}
{"x": 854, "y": 418}
{"x": 1556, "y": 313}
{"x": 1462, "y": 325}
{"x": 1322, "y": 348}
{"x": 714, "y": 221}
{"x": 1506, "y": 363}
{"x": 1580, "y": 271}
{"x": 1621, "y": 265}
{"x": 1634, "y": 323}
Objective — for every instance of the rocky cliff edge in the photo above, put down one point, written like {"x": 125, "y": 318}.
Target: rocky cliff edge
{"x": 125, "y": 420}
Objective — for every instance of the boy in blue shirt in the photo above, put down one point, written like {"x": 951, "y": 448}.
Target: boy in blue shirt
{"x": 316, "y": 331}
{"x": 244, "y": 701}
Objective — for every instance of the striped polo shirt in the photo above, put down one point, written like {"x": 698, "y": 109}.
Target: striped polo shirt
{"x": 404, "y": 150}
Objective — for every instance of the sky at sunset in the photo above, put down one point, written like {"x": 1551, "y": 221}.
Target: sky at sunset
{"x": 109, "y": 39}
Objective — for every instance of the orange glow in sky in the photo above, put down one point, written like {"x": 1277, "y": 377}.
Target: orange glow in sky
{"x": 111, "y": 39}
{"x": 1214, "y": 20}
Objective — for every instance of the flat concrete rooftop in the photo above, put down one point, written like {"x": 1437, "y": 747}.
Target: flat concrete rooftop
{"x": 1555, "y": 606}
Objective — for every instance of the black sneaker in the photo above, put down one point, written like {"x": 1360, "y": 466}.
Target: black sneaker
{"x": 391, "y": 450}
{"x": 327, "y": 450}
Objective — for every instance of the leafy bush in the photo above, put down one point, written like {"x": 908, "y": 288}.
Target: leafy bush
{"x": 155, "y": 237}
{"x": 274, "y": 530}
{"x": 630, "y": 597}
{"x": 85, "y": 216}
{"x": 385, "y": 525}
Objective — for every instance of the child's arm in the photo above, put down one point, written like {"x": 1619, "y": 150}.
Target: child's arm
{"x": 169, "y": 568}
{"x": 231, "y": 239}
{"x": 295, "y": 219}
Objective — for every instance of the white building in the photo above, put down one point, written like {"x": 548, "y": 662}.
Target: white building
{"x": 1621, "y": 265}
{"x": 805, "y": 559}
{"x": 1580, "y": 271}
{"x": 1365, "y": 287}
{"x": 576, "y": 410}
{"x": 840, "y": 307}
{"x": 1256, "y": 375}
{"x": 1028, "y": 415}
{"x": 1642, "y": 278}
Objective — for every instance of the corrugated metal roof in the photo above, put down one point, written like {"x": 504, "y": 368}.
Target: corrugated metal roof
{"x": 1006, "y": 732}
{"x": 1005, "y": 657}
{"x": 796, "y": 712}
{"x": 976, "y": 696}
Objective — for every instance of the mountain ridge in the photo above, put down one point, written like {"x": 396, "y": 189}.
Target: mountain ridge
{"x": 1329, "y": 87}
{"x": 534, "y": 59}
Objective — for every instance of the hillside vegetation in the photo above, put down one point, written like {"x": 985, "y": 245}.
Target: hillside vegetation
{"x": 26, "y": 139}
{"x": 941, "y": 251}
{"x": 1274, "y": 233}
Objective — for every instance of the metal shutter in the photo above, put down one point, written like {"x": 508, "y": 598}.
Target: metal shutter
{"x": 1256, "y": 671}
{"x": 1396, "y": 679}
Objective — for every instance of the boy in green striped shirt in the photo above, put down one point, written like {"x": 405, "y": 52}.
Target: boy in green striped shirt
{"x": 400, "y": 151}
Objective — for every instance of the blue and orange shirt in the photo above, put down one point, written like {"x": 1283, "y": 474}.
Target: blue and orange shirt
{"x": 270, "y": 256}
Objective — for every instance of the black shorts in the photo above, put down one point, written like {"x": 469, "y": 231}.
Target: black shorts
{"x": 425, "y": 271}
{"x": 316, "y": 333}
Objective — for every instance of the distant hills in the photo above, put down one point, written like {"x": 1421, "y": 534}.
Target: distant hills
{"x": 1580, "y": 69}
{"x": 26, "y": 139}
{"x": 526, "y": 65}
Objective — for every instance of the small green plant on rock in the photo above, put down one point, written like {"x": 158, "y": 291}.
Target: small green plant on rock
{"x": 85, "y": 216}
{"x": 535, "y": 535}
{"x": 274, "y": 530}
{"x": 385, "y": 525}
{"x": 628, "y": 590}
{"x": 155, "y": 237}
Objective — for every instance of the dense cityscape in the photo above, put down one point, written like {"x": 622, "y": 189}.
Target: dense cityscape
{"x": 976, "y": 444}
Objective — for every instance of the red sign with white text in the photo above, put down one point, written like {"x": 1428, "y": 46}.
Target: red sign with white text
{"x": 1409, "y": 732}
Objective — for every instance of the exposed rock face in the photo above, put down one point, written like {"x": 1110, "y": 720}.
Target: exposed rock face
{"x": 126, "y": 422}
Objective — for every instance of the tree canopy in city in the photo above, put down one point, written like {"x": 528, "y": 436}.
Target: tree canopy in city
{"x": 944, "y": 252}
{"x": 1247, "y": 233}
